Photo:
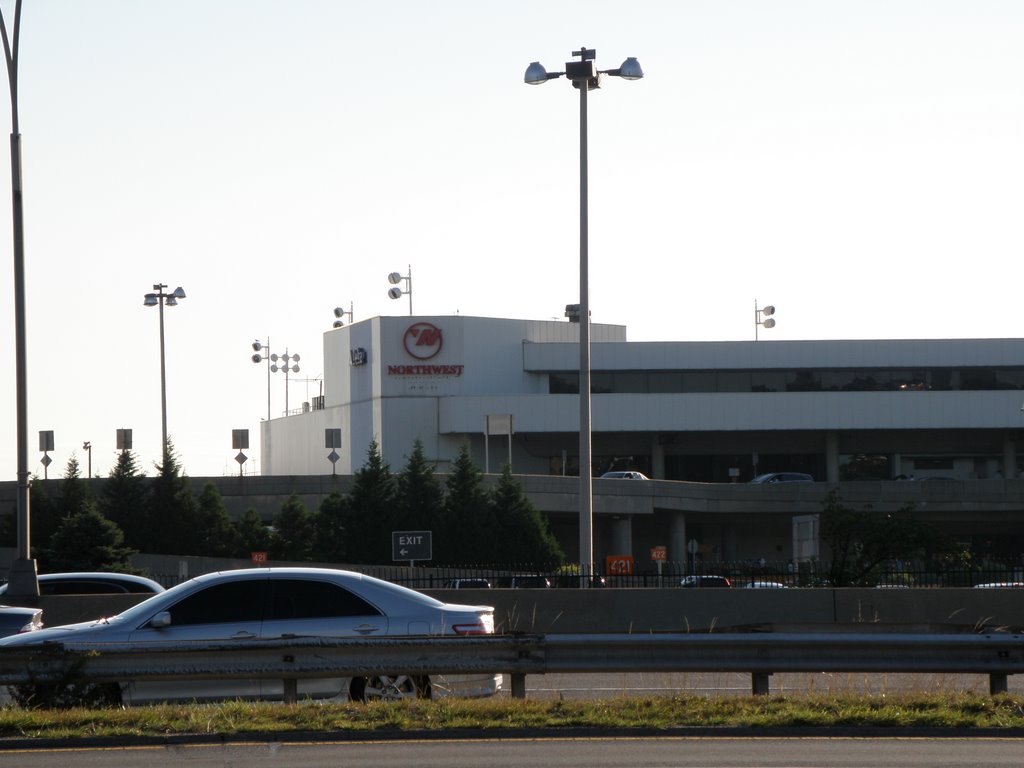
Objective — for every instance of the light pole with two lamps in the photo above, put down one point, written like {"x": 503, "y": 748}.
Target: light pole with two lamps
{"x": 340, "y": 313}
{"x": 396, "y": 293}
{"x": 763, "y": 317}
{"x": 585, "y": 77}
{"x": 159, "y": 299}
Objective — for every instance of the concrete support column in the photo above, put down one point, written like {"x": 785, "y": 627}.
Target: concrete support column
{"x": 677, "y": 539}
{"x": 657, "y": 459}
{"x": 729, "y": 548}
{"x": 1009, "y": 457}
{"x": 622, "y": 536}
{"x": 832, "y": 456}
{"x": 897, "y": 464}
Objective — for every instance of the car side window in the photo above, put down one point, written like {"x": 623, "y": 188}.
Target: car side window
{"x": 310, "y": 599}
{"x": 79, "y": 587}
{"x": 233, "y": 602}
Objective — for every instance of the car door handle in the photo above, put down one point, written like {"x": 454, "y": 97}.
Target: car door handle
{"x": 243, "y": 635}
{"x": 366, "y": 629}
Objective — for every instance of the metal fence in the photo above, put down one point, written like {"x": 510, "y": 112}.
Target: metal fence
{"x": 739, "y": 574}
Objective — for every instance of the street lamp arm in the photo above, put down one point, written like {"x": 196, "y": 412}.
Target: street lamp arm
{"x": 11, "y": 53}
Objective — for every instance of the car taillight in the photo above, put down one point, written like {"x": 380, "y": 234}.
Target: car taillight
{"x": 470, "y": 629}
{"x": 484, "y": 625}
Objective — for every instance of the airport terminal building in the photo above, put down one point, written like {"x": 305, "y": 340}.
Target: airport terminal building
{"x": 705, "y": 412}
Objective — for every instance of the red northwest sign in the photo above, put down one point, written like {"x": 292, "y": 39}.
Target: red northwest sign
{"x": 422, "y": 340}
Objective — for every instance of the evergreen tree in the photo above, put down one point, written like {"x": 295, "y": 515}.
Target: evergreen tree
{"x": 293, "y": 534}
{"x": 331, "y": 531}
{"x": 172, "y": 525}
{"x": 469, "y": 534}
{"x": 525, "y": 537}
{"x": 251, "y": 534}
{"x": 125, "y": 499}
{"x": 218, "y": 537}
{"x": 372, "y": 515}
{"x": 45, "y": 514}
{"x": 420, "y": 498}
{"x": 87, "y": 541}
{"x": 74, "y": 493}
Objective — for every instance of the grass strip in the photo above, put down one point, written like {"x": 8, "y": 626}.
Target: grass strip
{"x": 238, "y": 718}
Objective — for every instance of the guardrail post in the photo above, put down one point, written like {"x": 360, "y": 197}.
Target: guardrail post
{"x": 518, "y": 685}
{"x": 759, "y": 683}
{"x": 996, "y": 684}
{"x": 291, "y": 691}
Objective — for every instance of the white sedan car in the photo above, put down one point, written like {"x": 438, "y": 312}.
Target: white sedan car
{"x": 277, "y": 603}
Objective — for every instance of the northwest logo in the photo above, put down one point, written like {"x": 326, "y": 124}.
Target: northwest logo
{"x": 423, "y": 340}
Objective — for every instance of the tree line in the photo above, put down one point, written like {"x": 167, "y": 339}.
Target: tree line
{"x": 471, "y": 524}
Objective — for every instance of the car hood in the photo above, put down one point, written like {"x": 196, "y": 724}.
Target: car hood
{"x": 64, "y": 633}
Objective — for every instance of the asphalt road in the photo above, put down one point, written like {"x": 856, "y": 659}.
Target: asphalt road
{"x": 699, "y": 752}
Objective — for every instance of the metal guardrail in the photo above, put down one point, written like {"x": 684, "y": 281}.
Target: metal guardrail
{"x": 997, "y": 655}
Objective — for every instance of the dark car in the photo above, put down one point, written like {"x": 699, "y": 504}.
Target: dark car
{"x": 14, "y": 620}
{"x": 88, "y": 583}
{"x": 530, "y": 582}
{"x": 705, "y": 582}
{"x": 783, "y": 477}
{"x": 467, "y": 584}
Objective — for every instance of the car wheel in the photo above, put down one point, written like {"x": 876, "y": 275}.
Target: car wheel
{"x": 389, "y": 688}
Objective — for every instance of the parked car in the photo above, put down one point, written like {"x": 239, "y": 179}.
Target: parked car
{"x": 274, "y": 603}
{"x": 467, "y": 584}
{"x": 15, "y": 619}
{"x": 627, "y": 474}
{"x": 86, "y": 583}
{"x": 783, "y": 477}
{"x": 1000, "y": 585}
{"x": 766, "y": 585}
{"x": 574, "y": 581}
{"x": 530, "y": 582}
{"x": 705, "y": 582}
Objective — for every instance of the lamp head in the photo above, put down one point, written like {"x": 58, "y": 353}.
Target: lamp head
{"x": 630, "y": 69}
{"x": 257, "y": 359}
{"x": 395, "y": 293}
{"x": 768, "y": 311}
{"x": 338, "y": 324}
{"x": 394, "y": 278}
{"x": 535, "y": 74}
{"x": 150, "y": 300}
{"x": 339, "y": 312}
{"x": 256, "y": 346}
{"x": 179, "y": 293}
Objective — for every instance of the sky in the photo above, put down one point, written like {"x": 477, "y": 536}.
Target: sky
{"x": 856, "y": 164}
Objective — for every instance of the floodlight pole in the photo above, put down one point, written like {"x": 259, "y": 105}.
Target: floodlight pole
{"x": 22, "y": 578}
{"x": 584, "y": 76}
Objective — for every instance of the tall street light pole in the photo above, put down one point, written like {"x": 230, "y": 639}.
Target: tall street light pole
{"x": 584, "y": 76}
{"x": 159, "y": 299}
{"x": 22, "y": 577}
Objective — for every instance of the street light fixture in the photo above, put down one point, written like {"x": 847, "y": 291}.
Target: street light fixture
{"x": 763, "y": 317}
{"x": 396, "y": 293}
{"x": 585, "y": 77}
{"x": 263, "y": 353}
{"x": 340, "y": 314}
{"x": 159, "y": 299}
{"x": 289, "y": 364}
